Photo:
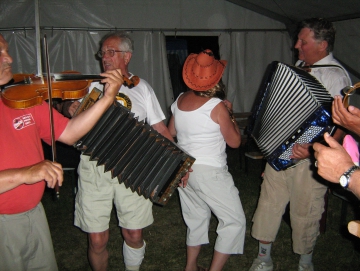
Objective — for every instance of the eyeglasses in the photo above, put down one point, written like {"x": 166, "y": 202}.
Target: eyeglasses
{"x": 110, "y": 52}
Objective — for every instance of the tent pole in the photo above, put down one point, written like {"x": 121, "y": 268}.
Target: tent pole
{"x": 37, "y": 38}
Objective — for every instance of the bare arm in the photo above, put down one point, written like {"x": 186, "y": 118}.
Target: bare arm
{"x": 229, "y": 129}
{"x": 45, "y": 170}
{"x": 82, "y": 123}
{"x": 171, "y": 126}
{"x": 77, "y": 127}
{"x": 161, "y": 128}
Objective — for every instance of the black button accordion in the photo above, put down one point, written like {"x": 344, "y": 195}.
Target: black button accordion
{"x": 292, "y": 107}
{"x": 141, "y": 158}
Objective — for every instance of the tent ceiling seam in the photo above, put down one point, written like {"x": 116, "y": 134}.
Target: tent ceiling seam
{"x": 143, "y": 29}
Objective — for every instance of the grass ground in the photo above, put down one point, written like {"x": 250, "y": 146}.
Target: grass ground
{"x": 336, "y": 249}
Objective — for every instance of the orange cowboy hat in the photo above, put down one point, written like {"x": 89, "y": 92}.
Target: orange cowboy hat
{"x": 202, "y": 71}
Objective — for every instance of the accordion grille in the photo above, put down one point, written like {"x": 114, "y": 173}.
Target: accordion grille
{"x": 141, "y": 158}
{"x": 290, "y": 98}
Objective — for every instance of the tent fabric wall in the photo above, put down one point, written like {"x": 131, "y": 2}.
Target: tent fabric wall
{"x": 248, "y": 40}
{"x": 203, "y": 14}
{"x": 22, "y": 49}
{"x": 76, "y": 51}
{"x": 152, "y": 64}
{"x": 75, "y": 48}
{"x": 17, "y": 13}
{"x": 248, "y": 57}
{"x": 347, "y": 48}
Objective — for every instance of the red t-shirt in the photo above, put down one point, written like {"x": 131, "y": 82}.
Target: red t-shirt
{"x": 21, "y": 131}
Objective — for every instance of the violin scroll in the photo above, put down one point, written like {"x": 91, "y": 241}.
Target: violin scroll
{"x": 132, "y": 82}
{"x": 347, "y": 92}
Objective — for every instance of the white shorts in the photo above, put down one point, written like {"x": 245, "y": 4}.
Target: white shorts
{"x": 212, "y": 189}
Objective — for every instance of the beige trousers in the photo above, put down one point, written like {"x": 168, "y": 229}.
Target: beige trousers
{"x": 304, "y": 190}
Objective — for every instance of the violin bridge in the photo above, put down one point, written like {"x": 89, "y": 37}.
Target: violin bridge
{"x": 28, "y": 80}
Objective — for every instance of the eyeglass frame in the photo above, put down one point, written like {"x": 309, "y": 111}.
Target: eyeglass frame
{"x": 101, "y": 53}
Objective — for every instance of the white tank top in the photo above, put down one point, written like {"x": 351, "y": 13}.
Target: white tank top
{"x": 199, "y": 135}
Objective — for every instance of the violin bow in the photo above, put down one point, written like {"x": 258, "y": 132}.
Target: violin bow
{"x": 128, "y": 82}
{"x": 53, "y": 143}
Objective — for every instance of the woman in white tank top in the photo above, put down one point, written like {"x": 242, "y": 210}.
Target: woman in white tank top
{"x": 203, "y": 124}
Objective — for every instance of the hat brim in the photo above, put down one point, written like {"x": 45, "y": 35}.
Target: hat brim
{"x": 195, "y": 82}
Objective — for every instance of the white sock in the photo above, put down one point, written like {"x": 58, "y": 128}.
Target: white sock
{"x": 133, "y": 257}
{"x": 264, "y": 252}
{"x": 306, "y": 258}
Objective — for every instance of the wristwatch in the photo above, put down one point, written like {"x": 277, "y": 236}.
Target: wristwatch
{"x": 345, "y": 178}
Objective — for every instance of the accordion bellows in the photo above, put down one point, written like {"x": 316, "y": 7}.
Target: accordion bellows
{"x": 140, "y": 157}
{"x": 292, "y": 107}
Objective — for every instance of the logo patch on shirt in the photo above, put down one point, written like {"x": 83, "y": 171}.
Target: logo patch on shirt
{"x": 23, "y": 121}
{"x": 124, "y": 100}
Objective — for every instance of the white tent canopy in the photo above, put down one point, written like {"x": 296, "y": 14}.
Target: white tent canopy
{"x": 247, "y": 39}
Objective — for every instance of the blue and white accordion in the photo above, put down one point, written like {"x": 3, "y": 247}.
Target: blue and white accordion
{"x": 292, "y": 107}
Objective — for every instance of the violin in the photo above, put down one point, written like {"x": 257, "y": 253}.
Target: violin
{"x": 28, "y": 90}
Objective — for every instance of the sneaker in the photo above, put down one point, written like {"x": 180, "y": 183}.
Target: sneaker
{"x": 306, "y": 267}
{"x": 258, "y": 265}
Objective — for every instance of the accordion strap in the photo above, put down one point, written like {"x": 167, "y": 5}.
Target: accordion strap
{"x": 88, "y": 100}
{"x": 309, "y": 67}
{"x": 321, "y": 66}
